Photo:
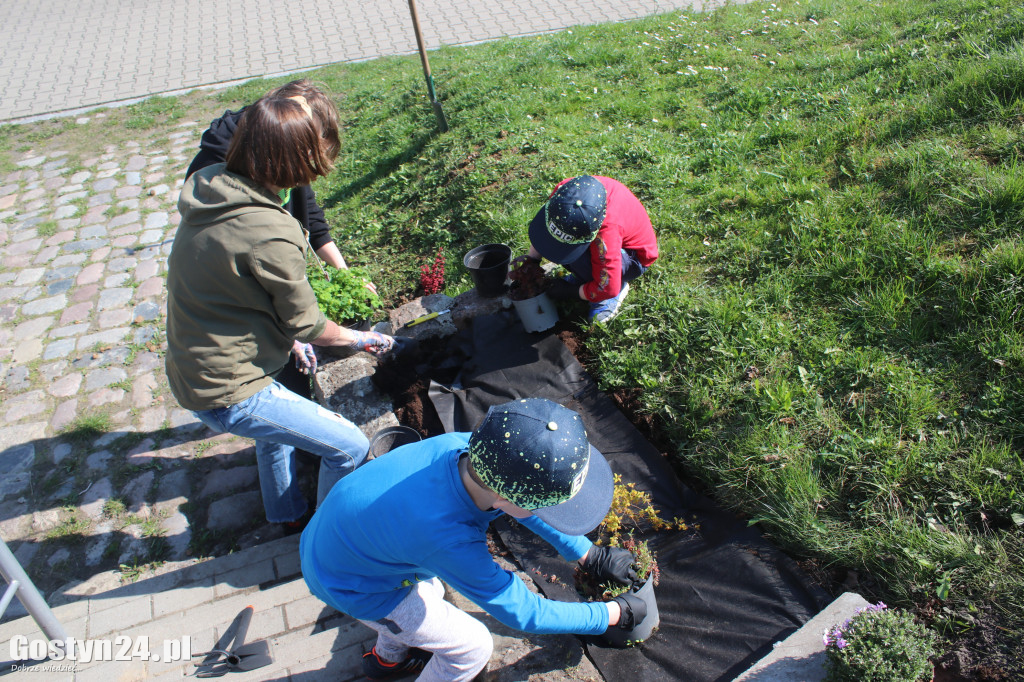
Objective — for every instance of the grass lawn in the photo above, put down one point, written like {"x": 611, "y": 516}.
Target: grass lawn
{"x": 833, "y": 337}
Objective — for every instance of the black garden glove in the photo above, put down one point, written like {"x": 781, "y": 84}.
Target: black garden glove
{"x": 562, "y": 290}
{"x": 632, "y": 609}
{"x": 610, "y": 563}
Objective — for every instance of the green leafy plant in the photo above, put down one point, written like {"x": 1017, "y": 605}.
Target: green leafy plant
{"x": 343, "y": 296}
{"x": 879, "y": 644}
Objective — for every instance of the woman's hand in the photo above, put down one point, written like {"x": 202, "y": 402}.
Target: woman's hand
{"x": 305, "y": 357}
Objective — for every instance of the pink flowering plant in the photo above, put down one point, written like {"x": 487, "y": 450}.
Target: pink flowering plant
{"x": 879, "y": 644}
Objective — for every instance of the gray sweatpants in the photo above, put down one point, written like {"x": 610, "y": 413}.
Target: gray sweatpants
{"x": 461, "y": 644}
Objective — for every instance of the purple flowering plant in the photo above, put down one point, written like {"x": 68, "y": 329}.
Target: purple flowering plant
{"x": 879, "y": 644}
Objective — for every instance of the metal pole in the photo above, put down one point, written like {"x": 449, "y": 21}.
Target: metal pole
{"x": 438, "y": 111}
{"x": 28, "y": 594}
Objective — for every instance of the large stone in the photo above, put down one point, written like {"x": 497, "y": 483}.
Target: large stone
{"x": 345, "y": 386}
{"x": 224, "y": 480}
{"x": 136, "y": 492}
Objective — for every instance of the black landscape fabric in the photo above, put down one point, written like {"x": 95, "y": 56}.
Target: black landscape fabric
{"x": 725, "y": 594}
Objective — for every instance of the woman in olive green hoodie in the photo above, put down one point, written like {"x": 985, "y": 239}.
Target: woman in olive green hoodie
{"x": 238, "y": 301}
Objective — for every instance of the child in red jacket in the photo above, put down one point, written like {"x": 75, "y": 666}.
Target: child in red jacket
{"x": 599, "y": 230}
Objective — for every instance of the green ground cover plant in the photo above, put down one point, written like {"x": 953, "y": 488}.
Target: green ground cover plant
{"x": 832, "y": 339}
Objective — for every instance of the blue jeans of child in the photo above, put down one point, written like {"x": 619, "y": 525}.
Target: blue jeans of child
{"x": 281, "y": 421}
{"x": 582, "y": 268}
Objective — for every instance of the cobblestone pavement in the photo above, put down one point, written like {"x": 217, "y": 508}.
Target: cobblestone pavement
{"x": 106, "y": 51}
{"x": 102, "y": 469}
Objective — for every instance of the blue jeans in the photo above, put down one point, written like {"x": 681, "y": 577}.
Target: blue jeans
{"x": 582, "y": 268}
{"x": 281, "y": 421}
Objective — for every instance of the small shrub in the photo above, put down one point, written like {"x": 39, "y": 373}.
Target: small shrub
{"x": 432, "y": 276}
{"x": 879, "y": 645}
{"x": 343, "y": 296}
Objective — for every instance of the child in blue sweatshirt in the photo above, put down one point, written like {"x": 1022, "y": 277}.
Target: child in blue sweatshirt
{"x": 378, "y": 545}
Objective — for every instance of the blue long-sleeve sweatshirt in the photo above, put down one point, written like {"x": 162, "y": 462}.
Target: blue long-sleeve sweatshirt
{"x": 406, "y": 517}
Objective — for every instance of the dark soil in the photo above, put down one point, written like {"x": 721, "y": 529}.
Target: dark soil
{"x": 528, "y": 280}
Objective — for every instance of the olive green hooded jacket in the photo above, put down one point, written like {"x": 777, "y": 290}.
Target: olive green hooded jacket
{"x": 237, "y": 294}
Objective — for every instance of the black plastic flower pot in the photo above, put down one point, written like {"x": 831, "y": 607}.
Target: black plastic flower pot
{"x": 618, "y": 637}
{"x": 488, "y": 266}
{"x": 391, "y": 437}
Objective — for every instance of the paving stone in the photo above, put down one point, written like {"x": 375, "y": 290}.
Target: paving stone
{"x": 104, "y": 377}
{"x": 114, "y": 298}
{"x": 32, "y": 328}
{"x": 100, "y": 254}
{"x": 96, "y": 549}
{"x": 59, "y": 557}
{"x": 17, "y": 378}
{"x": 121, "y": 264}
{"x": 93, "y": 231}
{"x": 143, "y": 388}
{"x": 234, "y": 511}
{"x": 83, "y": 245}
{"x": 62, "y": 212}
{"x": 27, "y": 351}
{"x": 60, "y": 349}
{"x": 146, "y": 312}
{"x": 146, "y": 269}
{"x": 59, "y": 452}
{"x": 104, "y": 185}
{"x": 125, "y": 241}
{"x": 45, "y": 520}
{"x": 59, "y": 287}
{"x": 91, "y": 273}
{"x": 69, "y": 259}
{"x": 142, "y": 453}
{"x": 114, "y": 318}
{"x": 133, "y": 177}
{"x": 226, "y": 480}
{"x": 70, "y": 330}
{"x": 33, "y": 293}
{"x": 44, "y": 305}
{"x": 75, "y": 313}
{"x": 27, "y": 246}
{"x": 154, "y": 286}
{"x": 115, "y": 281}
{"x": 66, "y": 234}
{"x": 47, "y": 254}
{"x": 64, "y": 415}
{"x": 31, "y": 161}
{"x": 127, "y": 192}
{"x": 53, "y": 371}
{"x": 8, "y": 312}
{"x": 136, "y": 163}
{"x": 80, "y": 177}
{"x": 24, "y": 405}
{"x": 8, "y": 293}
{"x": 184, "y": 420}
{"x": 105, "y": 396}
{"x": 98, "y": 460}
{"x": 29, "y": 276}
{"x": 152, "y": 419}
{"x": 92, "y": 500}
{"x": 136, "y": 492}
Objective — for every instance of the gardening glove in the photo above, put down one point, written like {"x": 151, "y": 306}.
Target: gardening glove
{"x": 565, "y": 291}
{"x": 632, "y": 610}
{"x": 305, "y": 357}
{"x": 610, "y": 563}
{"x": 371, "y": 342}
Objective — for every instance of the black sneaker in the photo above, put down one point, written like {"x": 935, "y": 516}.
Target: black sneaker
{"x": 376, "y": 669}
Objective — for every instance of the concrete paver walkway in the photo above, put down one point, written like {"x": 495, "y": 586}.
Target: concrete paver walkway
{"x": 60, "y": 56}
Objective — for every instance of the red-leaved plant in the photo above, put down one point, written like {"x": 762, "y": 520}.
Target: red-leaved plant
{"x": 432, "y": 275}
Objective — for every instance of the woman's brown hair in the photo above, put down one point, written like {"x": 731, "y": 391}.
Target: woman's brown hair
{"x": 323, "y": 109}
{"x": 279, "y": 143}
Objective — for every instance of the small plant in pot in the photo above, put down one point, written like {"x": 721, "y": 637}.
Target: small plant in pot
{"x": 879, "y": 644}
{"x": 343, "y": 295}
{"x": 630, "y": 510}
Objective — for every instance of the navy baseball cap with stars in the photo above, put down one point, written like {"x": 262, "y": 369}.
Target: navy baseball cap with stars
{"x": 567, "y": 222}
{"x": 535, "y": 454}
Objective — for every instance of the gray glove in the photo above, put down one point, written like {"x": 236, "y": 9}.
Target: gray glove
{"x": 610, "y": 563}
{"x": 632, "y": 610}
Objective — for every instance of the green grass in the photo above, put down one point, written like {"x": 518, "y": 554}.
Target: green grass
{"x": 88, "y": 426}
